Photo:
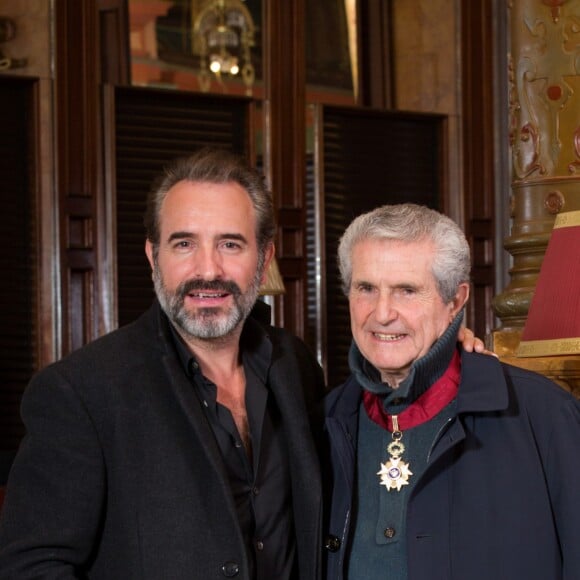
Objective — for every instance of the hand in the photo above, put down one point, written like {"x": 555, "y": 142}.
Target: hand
{"x": 471, "y": 343}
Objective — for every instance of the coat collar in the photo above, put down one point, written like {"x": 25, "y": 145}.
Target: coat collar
{"x": 483, "y": 388}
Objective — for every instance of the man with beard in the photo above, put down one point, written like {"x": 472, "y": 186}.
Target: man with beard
{"x": 178, "y": 446}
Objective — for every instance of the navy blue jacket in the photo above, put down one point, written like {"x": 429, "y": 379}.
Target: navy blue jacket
{"x": 500, "y": 497}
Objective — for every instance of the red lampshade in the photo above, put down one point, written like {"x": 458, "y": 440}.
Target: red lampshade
{"x": 553, "y": 323}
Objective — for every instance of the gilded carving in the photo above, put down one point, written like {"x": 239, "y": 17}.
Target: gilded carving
{"x": 555, "y": 7}
{"x": 524, "y": 141}
{"x": 549, "y": 347}
{"x": 542, "y": 83}
{"x": 573, "y": 167}
{"x": 571, "y": 32}
{"x": 554, "y": 202}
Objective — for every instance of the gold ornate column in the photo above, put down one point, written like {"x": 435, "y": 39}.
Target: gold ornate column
{"x": 544, "y": 114}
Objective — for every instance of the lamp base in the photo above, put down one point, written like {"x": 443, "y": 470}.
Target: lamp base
{"x": 562, "y": 369}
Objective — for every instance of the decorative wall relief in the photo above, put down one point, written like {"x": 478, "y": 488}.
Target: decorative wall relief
{"x": 544, "y": 85}
{"x": 574, "y": 167}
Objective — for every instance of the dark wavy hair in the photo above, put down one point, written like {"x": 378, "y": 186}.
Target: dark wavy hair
{"x": 213, "y": 165}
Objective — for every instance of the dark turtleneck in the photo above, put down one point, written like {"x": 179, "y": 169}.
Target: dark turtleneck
{"x": 423, "y": 373}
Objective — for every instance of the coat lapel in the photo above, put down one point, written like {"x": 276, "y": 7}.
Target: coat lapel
{"x": 286, "y": 383}
{"x": 192, "y": 409}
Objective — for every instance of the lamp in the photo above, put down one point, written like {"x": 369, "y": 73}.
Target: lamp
{"x": 7, "y": 33}
{"x": 7, "y": 29}
{"x": 273, "y": 285}
{"x": 223, "y": 36}
{"x": 553, "y": 323}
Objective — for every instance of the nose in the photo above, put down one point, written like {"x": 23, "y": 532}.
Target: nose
{"x": 208, "y": 263}
{"x": 385, "y": 310}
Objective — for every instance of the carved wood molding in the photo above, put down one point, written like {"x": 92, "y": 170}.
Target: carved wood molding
{"x": 78, "y": 157}
{"x": 82, "y": 66}
{"x": 285, "y": 144}
{"x": 477, "y": 49}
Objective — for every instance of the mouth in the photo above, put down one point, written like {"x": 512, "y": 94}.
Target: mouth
{"x": 201, "y": 295}
{"x": 207, "y": 298}
{"x": 208, "y": 292}
{"x": 388, "y": 337}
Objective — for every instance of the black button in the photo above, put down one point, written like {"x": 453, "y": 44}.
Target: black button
{"x": 255, "y": 490}
{"x": 390, "y": 532}
{"x": 230, "y": 569}
{"x": 259, "y": 545}
{"x": 332, "y": 544}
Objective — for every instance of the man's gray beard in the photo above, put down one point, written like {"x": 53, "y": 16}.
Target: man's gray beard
{"x": 207, "y": 323}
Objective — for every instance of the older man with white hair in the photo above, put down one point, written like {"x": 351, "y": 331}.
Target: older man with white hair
{"x": 440, "y": 464}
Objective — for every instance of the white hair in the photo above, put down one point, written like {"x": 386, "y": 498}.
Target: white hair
{"x": 409, "y": 222}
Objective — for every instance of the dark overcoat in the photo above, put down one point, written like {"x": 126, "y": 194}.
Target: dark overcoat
{"x": 500, "y": 497}
{"x": 119, "y": 476}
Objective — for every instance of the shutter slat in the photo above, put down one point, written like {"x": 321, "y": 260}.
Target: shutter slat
{"x": 17, "y": 257}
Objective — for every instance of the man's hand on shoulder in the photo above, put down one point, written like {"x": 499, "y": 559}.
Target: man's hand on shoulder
{"x": 471, "y": 343}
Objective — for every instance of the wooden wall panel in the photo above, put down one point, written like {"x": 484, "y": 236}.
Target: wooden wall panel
{"x": 376, "y": 54}
{"x": 79, "y": 168}
{"x": 479, "y": 163}
{"x": 285, "y": 147}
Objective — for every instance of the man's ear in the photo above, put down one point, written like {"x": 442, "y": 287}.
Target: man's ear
{"x": 268, "y": 256}
{"x": 460, "y": 299}
{"x": 149, "y": 253}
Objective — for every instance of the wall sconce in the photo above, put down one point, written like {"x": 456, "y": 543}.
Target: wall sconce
{"x": 7, "y": 29}
{"x": 7, "y": 33}
{"x": 223, "y": 36}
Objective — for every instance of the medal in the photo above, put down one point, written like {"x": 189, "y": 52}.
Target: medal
{"x": 395, "y": 472}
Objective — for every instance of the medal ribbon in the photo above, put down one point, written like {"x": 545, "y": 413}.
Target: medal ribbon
{"x": 433, "y": 400}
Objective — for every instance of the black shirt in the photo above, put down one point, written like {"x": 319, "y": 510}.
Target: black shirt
{"x": 261, "y": 486}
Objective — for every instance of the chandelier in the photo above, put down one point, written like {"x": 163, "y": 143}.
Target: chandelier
{"x": 223, "y": 36}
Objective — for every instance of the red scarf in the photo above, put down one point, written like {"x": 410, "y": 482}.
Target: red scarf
{"x": 433, "y": 400}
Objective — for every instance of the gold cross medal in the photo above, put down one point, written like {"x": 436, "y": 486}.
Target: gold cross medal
{"x": 395, "y": 472}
